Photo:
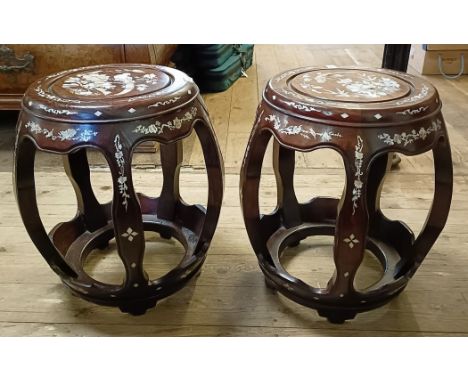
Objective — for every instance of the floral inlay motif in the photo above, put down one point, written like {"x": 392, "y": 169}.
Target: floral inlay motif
{"x": 130, "y": 235}
{"x": 98, "y": 83}
{"x": 307, "y": 133}
{"x": 351, "y": 241}
{"x": 358, "y": 161}
{"x": 412, "y": 136}
{"x": 69, "y": 134}
{"x": 122, "y": 179}
{"x": 365, "y": 85}
{"x": 159, "y": 127}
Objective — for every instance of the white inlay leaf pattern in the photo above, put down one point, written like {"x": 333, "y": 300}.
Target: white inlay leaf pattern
{"x": 122, "y": 179}
{"x": 358, "y": 161}
{"x": 69, "y": 134}
{"x": 307, "y": 133}
{"x": 411, "y": 136}
{"x": 159, "y": 127}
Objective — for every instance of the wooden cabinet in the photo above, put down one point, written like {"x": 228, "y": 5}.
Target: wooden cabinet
{"x": 20, "y": 65}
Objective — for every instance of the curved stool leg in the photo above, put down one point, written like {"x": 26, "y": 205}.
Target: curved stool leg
{"x": 77, "y": 169}
{"x": 393, "y": 232}
{"x": 171, "y": 160}
{"x": 350, "y": 232}
{"x": 128, "y": 227}
{"x": 249, "y": 191}
{"x": 25, "y": 189}
{"x": 377, "y": 172}
{"x": 215, "y": 171}
{"x": 283, "y": 165}
{"x": 440, "y": 207}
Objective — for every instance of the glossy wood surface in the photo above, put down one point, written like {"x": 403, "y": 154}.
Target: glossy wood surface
{"x": 112, "y": 109}
{"x": 382, "y": 116}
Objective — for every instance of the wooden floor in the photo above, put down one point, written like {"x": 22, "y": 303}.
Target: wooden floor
{"x": 229, "y": 298}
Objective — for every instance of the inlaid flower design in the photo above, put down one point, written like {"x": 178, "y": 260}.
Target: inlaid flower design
{"x": 306, "y": 132}
{"x": 159, "y": 127}
{"x": 99, "y": 83}
{"x": 409, "y": 137}
{"x": 70, "y": 134}
{"x": 358, "y": 183}
{"x": 122, "y": 179}
{"x": 360, "y": 84}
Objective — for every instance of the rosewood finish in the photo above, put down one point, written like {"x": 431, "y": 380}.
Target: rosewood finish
{"x": 364, "y": 115}
{"x": 113, "y": 108}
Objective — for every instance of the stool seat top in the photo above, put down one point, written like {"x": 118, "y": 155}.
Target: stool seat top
{"x": 109, "y": 93}
{"x": 351, "y": 95}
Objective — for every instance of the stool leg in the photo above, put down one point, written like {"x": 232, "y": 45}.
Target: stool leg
{"x": 440, "y": 207}
{"x": 377, "y": 172}
{"x": 25, "y": 189}
{"x": 171, "y": 160}
{"x": 215, "y": 171}
{"x": 128, "y": 225}
{"x": 283, "y": 165}
{"x": 391, "y": 232}
{"x": 77, "y": 168}
{"x": 249, "y": 189}
{"x": 351, "y": 230}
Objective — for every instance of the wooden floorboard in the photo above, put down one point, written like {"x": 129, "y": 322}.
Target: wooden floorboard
{"x": 229, "y": 298}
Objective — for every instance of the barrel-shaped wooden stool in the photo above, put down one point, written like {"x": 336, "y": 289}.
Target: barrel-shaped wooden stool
{"x": 113, "y": 108}
{"x": 363, "y": 114}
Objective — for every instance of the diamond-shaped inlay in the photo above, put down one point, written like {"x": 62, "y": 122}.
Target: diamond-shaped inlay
{"x": 98, "y": 113}
{"x": 378, "y": 116}
{"x": 344, "y": 115}
{"x": 274, "y": 97}
{"x": 351, "y": 240}
{"x": 189, "y": 91}
{"x": 130, "y": 234}
{"x": 131, "y": 110}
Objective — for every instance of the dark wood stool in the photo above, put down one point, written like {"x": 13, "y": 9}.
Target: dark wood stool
{"x": 363, "y": 114}
{"x": 112, "y": 108}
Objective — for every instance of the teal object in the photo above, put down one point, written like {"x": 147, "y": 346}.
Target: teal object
{"x": 215, "y": 67}
{"x": 213, "y": 56}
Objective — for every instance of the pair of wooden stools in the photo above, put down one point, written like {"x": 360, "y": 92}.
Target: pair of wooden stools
{"x": 363, "y": 114}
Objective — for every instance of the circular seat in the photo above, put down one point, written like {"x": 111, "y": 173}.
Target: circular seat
{"x": 363, "y": 114}
{"x": 113, "y": 108}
